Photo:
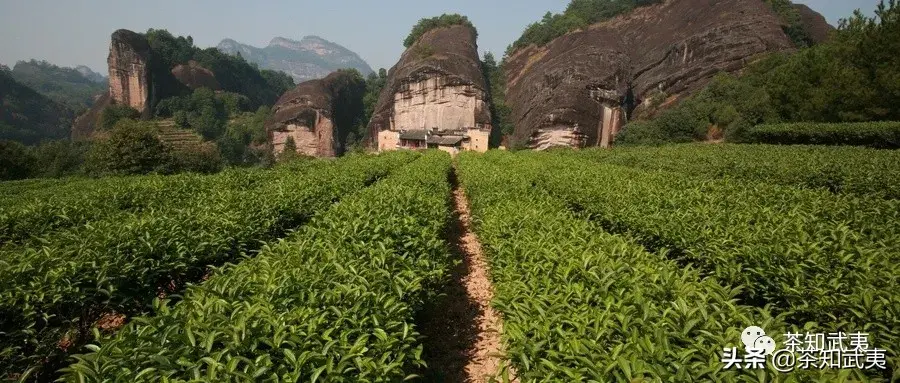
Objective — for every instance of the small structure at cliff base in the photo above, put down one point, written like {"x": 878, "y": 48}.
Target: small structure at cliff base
{"x": 435, "y": 96}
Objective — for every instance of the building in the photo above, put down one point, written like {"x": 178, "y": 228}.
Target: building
{"x": 450, "y": 141}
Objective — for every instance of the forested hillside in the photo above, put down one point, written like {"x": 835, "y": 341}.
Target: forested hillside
{"x": 66, "y": 86}
{"x": 27, "y": 116}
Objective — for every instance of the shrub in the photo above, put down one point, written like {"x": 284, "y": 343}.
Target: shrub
{"x": 132, "y": 147}
{"x": 113, "y": 113}
{"x": 15, "y": 161}
{"x": 885, "y": 135}
{"x": 200, "y": 158}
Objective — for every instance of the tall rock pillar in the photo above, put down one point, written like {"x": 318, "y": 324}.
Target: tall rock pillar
{"x": 129, "y": 70}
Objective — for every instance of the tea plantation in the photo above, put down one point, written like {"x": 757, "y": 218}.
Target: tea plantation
{"x": 625, "y": 265}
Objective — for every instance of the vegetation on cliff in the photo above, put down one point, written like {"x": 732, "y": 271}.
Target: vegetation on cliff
{"x": 793, "y": 27}
{"x": 445, "y": 20}
{"x": 348, "y": 106}
{"x": 501, "y": 120}
{"x": 578, "y": 14}
{"x": 66, "y": 86}
{"x": 851, "y": 78}
{"x": 233, "y": 73}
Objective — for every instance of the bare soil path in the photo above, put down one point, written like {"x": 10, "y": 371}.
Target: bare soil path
{"x": 462, "y": 330}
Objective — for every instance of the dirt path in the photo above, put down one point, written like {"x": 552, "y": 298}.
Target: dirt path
{"x": 462, "y": 329}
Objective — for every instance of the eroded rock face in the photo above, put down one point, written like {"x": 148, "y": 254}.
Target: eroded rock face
{"x": 437, "y": 83}
{"x": 194, "y": 76}
{"x": 586, "y": 83}
{"x": 129, "y": 70}
{"x": 309, "y": 115}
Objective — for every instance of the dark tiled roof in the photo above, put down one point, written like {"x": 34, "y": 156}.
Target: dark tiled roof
{"x": 445, "y": 140}
{"x": 417, "y": 135}
{"x": 441, "y": 138}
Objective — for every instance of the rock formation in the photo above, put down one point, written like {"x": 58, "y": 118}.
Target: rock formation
{"x": 579, "y": 89}
{"x": 129, "y": 71}
{"x": 195, "y": 76}
{"x": 316, "y": 115}
{"x": 139, "y": 80}
{"x": 437, "y": 84}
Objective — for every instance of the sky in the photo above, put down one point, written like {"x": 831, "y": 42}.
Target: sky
{"x": 76, "y": 32}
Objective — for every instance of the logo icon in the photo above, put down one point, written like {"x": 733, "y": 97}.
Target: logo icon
{"x": 754, "y": 338}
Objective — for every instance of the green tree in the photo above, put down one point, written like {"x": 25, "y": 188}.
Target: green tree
{"x": 15, "y": 161}
{"x": 113, "y": 113}
{"x": 59, "y": 158}
{"x": 133, "y": 147}
{"x": 290, "y": 151}
{"x": 501, "y": 114}
{"x": 200, "y": 158}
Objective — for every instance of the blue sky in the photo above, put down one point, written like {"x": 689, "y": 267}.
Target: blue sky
{"x": 74, "y": 32}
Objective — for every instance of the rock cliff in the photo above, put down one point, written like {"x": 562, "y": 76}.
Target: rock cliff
{"x": 318, "y": 115}
{"x": 579, "y": 89}
{"x": 129, "y": 71}
{"x": 438, "y": 83}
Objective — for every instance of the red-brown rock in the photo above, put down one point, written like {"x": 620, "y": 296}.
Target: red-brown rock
{"x": 314, "y": 114}
{"x": 194, "y": 76}
{"x": 438, "y": 83}
{"x": 129, "y": 70}
{"x": 580, "y": 88}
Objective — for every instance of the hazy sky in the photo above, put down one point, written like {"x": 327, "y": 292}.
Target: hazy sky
{"x": 73, "y": 32}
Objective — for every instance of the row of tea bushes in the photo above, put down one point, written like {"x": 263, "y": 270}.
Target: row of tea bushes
{"x": 818, "y": 258}
{"x": 333, "y": 302}
{"x": 580, "y": 304}
{"x": 31, "y": 214}
{"x": 844, "y": 169}
{"x": 53, "y": 291}
{"x": 885, "y": 135}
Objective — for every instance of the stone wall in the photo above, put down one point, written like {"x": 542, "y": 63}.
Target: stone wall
{"x": 388, "y": 140}
{"x": 478, "y": 141}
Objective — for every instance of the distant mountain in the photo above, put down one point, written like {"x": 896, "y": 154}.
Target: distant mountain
{"x": 76, "y": 88}
{"x": 310, "y": 58}
{"x": 90, "y": 74}
{"x": 29, "y": 117}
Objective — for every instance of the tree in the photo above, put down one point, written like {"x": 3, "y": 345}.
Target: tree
{"x": 15, "y": 161}
{"x": 501, "y": 114}
{"x": 113, "y": 113}
{"x": 290, "y": 151}
{"x": 58, "y": 158}
{"x": 132, "y": 147}
{"x": 199, "y": 158}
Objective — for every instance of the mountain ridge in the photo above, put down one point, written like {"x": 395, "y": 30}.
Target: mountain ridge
{"x": 311, "y": 57}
